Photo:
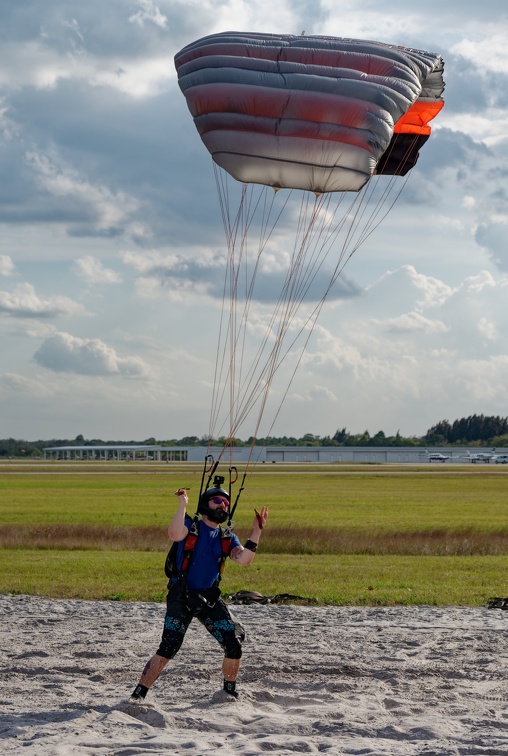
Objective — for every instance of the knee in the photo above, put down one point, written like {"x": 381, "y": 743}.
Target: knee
{"x": 166, "y": 650}
{"x": 233, "y": 649}
{"x": 172, "y": 637}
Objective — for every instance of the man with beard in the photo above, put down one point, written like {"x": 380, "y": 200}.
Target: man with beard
{"x": 200, "y": 550}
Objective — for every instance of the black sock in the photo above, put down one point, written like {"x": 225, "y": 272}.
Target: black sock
{"x": 230, "y": 687}
{"x": 140, "y": 692}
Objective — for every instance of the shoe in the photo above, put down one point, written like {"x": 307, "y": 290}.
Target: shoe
{"x": 138, "y": 694}
{"x": 230, "y": 689}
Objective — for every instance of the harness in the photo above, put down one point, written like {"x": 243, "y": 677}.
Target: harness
{"x": 189, "y": 545}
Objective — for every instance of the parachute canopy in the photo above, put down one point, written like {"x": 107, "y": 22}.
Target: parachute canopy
{"x": 321, "y": 114}
{"x": 340, "y": 119}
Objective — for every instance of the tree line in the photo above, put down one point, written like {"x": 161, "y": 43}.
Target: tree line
{"x": 476, "y": 430}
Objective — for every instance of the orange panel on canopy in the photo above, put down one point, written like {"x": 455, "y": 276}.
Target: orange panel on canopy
{"x": 416, "y": 120}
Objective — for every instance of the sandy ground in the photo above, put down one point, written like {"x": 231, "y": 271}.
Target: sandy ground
{"x": 412, "y": 680}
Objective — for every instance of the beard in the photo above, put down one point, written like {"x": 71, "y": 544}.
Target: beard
{"x": 216, "y": 515}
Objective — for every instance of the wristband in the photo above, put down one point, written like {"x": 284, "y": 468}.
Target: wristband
{"x": 250, "y": 545}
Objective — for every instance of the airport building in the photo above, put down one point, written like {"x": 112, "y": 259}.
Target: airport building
{"x": 266, "y": 454}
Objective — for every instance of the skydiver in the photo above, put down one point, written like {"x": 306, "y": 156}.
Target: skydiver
{"x": 195, "y": 592}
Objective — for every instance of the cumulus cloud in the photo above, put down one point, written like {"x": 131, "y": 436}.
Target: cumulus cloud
{"x": 8, "y": 127}
{"x": 93, "y": 271}
{"x": 67, "y": 42}
{"x": 6, "y": 266}
{"x": 464, "y": 320}
{"x": 203, "y": 272}
{"x": 488, "y": 329}
{"x": 149, "y": 13}
{"x": 153, "y": 262}
{"x": 23, "y": 302}
{"x": 65, "y": 353}
{"x": 105, "y": 211}
{"x": 316, "y": 393}
{"x": 407, "y": 282}
{"x": 483, "y": 380}
{"x": 412, "y": 322}
{"x": 494, "y": 237}
{"x": 438, "y": 352}
{"x": 485, "y": 53}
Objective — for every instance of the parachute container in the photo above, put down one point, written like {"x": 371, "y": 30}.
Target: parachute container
{"x": 316, "y": 113}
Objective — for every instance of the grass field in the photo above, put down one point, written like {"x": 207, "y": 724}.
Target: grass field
{"x": 359, "y": 534}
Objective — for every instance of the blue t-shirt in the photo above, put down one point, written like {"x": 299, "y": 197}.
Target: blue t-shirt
{"x": 205, "y": 561}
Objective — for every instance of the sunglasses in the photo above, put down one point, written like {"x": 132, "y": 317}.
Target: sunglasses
{"x": 218, "y": 500}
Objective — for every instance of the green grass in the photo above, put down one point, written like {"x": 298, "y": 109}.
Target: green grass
{"x": 339, "y": 580}
{"x": 378, "y": 501}
{"x": 355, "y": 535}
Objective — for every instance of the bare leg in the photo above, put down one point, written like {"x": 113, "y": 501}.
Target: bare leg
{"x": 230, "y": 669}
{"x": 152, "y": 670}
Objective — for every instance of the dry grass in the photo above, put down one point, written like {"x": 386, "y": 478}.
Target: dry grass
{"x": 277, "y": 540}
{"x": 437, "y": 542}
{"x": 83, "y": 537}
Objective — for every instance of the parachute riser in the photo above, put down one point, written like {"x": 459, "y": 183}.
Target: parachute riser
{"x": 210, "y": 467}
{"x": 233, "y": 508}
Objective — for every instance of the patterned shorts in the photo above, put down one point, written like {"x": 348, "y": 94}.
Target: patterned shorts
{"x": 216, "y": 619}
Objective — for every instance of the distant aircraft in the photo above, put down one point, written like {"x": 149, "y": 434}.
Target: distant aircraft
{"x": 486, "y": 457}
{"x": 436, "y": 457}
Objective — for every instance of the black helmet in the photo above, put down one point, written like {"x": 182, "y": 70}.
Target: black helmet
{"x": 216, "y": 515}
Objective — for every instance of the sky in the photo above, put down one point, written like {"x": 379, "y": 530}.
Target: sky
{"x": 112, "y": 243}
